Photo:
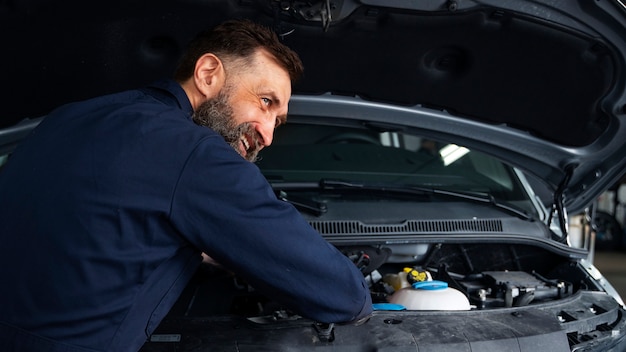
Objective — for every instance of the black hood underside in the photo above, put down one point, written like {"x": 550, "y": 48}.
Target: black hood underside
{"x": 482, "y": 63}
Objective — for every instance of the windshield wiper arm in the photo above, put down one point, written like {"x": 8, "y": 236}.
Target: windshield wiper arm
{"x": 303, "y": 204}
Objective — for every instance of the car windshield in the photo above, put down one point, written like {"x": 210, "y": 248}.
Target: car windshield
{"x": 312, "y": 153}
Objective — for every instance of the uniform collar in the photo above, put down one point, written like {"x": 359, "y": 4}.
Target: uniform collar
{"x": 171, "y": 93}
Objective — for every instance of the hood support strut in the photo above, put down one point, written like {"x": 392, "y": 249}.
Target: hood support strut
{"x": 557, "y": 204}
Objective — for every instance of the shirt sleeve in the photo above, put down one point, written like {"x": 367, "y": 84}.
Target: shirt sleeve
{"x": 225, "y": 207}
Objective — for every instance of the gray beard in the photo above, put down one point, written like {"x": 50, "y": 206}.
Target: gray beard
{"x": 217, "y": 114}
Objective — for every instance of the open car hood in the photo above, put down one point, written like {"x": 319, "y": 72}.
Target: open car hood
{"x": 540, "y": 84}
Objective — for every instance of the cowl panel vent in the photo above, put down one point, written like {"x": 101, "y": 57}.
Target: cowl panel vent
{"x": 409, "y": 226}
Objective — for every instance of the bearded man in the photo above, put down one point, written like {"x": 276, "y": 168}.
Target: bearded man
{"x": 109, "y": 205}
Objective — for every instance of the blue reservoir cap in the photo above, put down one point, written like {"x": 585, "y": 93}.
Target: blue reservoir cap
{"x": 430, "y": 285}
{"x": 388, "y": 306}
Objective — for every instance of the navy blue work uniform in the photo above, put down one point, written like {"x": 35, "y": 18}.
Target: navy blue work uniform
{"x": 106, "y": 207}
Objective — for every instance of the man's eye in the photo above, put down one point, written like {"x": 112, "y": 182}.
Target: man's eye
{"x": 266, "y": 101}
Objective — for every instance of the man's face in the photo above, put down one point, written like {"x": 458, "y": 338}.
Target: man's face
{"x": 250, "y": 106}
{"x": 217, "y": 114}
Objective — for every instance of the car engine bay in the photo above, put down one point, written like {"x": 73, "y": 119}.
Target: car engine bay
{"x": 481, "y": 272}
{"x": 542, "y": 296}
{"x": 505, "y": 285}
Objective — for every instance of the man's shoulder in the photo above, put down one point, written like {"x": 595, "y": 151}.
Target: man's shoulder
{"x": 101, "y": 103}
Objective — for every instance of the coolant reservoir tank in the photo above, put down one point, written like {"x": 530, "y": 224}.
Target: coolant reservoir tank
{"x": 430, "y": 295}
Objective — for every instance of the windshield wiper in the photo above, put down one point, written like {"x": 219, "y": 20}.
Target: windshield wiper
{"x": 483, "y": 198}
{"x": 303, "y": 204}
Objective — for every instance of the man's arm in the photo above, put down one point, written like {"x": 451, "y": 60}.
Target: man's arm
{"x": 224, "y": 205}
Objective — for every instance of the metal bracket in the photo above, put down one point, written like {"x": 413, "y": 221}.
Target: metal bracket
{"x": 325, "y": 332}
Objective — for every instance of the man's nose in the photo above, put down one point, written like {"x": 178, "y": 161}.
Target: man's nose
{"x": 266, "y": 131}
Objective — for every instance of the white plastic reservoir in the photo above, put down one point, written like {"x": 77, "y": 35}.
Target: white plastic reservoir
{"x": 430, "y": 295}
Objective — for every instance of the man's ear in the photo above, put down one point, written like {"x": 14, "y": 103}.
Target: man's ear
{"x": 209, "y": 75}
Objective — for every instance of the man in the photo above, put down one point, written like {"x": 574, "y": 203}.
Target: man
{"x": 106, "y": 208}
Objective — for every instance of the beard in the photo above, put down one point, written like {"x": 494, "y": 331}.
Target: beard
{"x": 217, "y": 114}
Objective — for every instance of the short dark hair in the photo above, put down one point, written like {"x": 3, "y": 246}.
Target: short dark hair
{"x": 238, "y": 39}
